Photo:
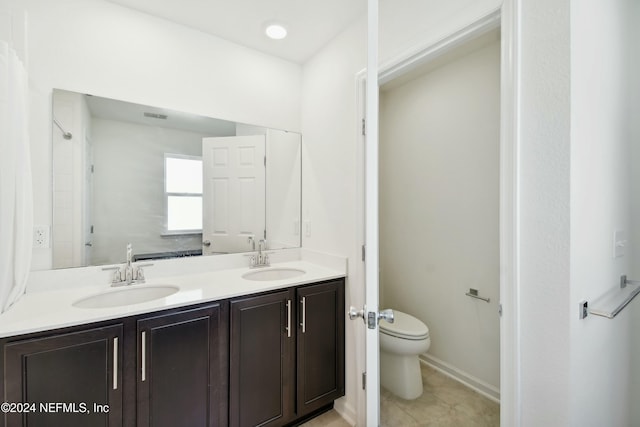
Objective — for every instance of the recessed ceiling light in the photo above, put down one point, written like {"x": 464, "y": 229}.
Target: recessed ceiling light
{"x": 276, "y": 31}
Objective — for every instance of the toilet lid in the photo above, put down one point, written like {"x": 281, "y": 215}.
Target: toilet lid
{"x": 404, "y": 326}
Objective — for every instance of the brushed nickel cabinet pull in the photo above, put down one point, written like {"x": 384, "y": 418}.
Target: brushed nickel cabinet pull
{"x": 115, "y": 363}
{"x": 143, "y": 363}
{"x": 304, "y": 315}
{"x": 288, "y": 318}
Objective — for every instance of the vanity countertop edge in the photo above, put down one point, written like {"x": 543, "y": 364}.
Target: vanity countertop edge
{"x": 49, "y": 310}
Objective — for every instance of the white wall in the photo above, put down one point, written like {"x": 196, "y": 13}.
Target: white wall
{"x": 439, "y": 200}
{"x": 97, "y": 47}
{"x": 633, "y": 111}
{"x": 543, "y": 146}
{"x": 330, "y": 134}
{"x": 600, "y": 204}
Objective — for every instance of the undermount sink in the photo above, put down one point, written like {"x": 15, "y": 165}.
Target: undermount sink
{"x": 126, "y": 296}
{"x": 273, "y": 274}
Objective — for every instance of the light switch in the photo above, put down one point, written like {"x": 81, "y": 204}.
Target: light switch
{"x": 619, "y": 243}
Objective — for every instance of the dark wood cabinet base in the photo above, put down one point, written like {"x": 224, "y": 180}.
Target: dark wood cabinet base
{"x": 270, "y": 359}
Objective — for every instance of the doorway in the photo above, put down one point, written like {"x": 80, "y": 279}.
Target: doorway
{"x": 439, "y": 193}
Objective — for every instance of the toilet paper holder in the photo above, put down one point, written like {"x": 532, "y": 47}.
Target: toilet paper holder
{"x": 473, "y": 293}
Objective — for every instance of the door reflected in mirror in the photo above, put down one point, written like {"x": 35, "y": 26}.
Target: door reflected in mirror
{"x": 170, "y": 183}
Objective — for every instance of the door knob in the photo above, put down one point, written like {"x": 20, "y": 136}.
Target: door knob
{"x": 354, "y": 313}
{"x": 386, "y": 315}
{"x": 371, "y": 318}
{"x": 206, "y": 243}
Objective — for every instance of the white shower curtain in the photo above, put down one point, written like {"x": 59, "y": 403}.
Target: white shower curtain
{"x": 16, "y": 193}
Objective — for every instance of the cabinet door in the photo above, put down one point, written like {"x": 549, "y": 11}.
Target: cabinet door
{"x": 262, "y": 363}
{"x": 71, "y": 379}
{"x": 320, "y": 341}
{"x": 182, "y": 368}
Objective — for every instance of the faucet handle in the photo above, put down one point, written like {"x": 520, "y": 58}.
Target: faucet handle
{"x": 138, "y": 272}
{"x": 117, "y": 273}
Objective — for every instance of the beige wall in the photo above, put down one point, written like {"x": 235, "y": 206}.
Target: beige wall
{"x": 439, "y": 200}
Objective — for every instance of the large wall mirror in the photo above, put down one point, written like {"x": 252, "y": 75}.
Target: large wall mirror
{"x": 170, "y": 183}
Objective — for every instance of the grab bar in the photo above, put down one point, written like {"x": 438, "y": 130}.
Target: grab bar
{"x": 613, "y": 302}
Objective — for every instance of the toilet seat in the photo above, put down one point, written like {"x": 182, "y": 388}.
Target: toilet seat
{"x": 405, "y": 326}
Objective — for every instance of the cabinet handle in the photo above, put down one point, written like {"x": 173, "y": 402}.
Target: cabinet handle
{"x": 288, "y": 318}
{"x": 143, "y": 363}
{"x": 304, "y": 314}
{"x": 115, "y": 363}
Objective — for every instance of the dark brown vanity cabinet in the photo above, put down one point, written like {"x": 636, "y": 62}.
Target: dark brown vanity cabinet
{"x": 160, "y": 369}
{"x": 182, "y": 375}
{"x": 70, "y": 379}
{"x": 267, "y": 359}
{"x": 320, "y": 345}
{"x": 287, "y": 354}
{"x": 262, "y": 345}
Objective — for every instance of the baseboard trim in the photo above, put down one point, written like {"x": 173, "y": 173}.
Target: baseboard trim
{"x": 470, "y": 381}
{"x": 346, "y": 411}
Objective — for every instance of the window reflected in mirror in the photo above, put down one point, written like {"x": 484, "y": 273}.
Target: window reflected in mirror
{"x": 139, "y": 174}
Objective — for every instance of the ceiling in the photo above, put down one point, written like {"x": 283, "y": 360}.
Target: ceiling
{"x": 310, "y": 23}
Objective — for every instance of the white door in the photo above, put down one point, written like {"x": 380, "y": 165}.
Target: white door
{"x": 233, "y": 198}
{"x": 371, "y": 220}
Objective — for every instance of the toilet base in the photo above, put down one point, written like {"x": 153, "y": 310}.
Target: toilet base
{"x": 401, "y": 375}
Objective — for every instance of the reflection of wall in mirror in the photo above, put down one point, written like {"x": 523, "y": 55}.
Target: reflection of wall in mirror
{"x": 129, "y": 200}
{"x": 283, "y": 188}
{"x": 68, "y": 231}
{"x": 109, "y": 179}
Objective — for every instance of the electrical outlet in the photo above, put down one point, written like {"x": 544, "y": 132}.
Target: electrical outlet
{"x": 40, "y": 236}
{"x": 307, "y": 228}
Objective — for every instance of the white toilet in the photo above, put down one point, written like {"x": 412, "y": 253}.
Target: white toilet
{"x": 400, "y": 344}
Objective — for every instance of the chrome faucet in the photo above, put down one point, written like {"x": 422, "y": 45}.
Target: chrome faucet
{"x": 128, "y": 274}
{"x": 261, "y": 259}
{"x": 128, "y": 270}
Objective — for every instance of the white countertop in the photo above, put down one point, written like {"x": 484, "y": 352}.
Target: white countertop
{"x": 53, "y": 309}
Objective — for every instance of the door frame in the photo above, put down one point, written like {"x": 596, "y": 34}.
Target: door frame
{"x": 506, "y": 18}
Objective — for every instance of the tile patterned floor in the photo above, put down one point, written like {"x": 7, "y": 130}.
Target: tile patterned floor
{"x": 444, "y": 403}
{"x": 328, "y": 419}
